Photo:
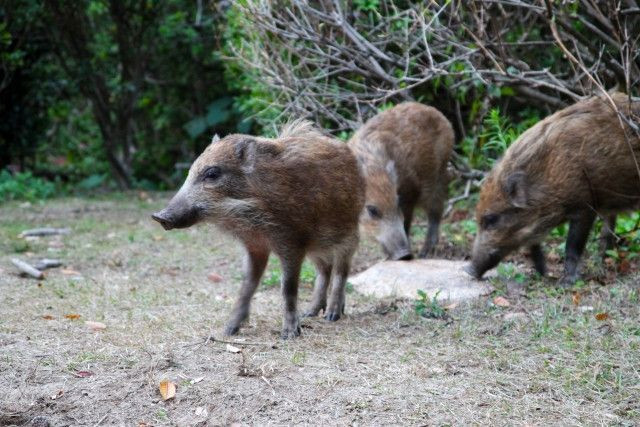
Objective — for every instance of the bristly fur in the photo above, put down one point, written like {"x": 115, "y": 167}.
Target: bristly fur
{"x": 299, "y": 128}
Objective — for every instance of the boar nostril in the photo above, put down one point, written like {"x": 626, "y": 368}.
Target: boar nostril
{"x": 166, "y": 224}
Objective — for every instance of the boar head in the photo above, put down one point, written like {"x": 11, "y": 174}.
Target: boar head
{"x": 510, "y": 213}
{"x": 217, "y": 188}
{"x": 381, "y": 215}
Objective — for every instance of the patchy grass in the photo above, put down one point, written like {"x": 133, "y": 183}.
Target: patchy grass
{"x": 544, "y": 359}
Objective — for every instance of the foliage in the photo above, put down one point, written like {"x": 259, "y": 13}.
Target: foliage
{"x": 429, "y": 307}
{"x": 123, "y": 90}
{"x": 24, "y": 186}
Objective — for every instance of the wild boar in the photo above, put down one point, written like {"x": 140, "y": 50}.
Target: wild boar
{"x": 296, "y": 195}
{"x": 403, "y": 153}
{"x": 574, "y": 165}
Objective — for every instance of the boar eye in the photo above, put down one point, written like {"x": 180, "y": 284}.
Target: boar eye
{"x": 374, "y": 212}
{"x": 490, "y": 220}
{"x": 212, "y": 173}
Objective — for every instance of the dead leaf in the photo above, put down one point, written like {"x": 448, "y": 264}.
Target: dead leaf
{"x": 83, "y": 374}
{"x": 624, "y": 267}
{"x": 233, "y": 349}
{"x": 167, "y": 389}
{"x": 602, "y": 316}
{"x": 48, "y": 317}
{"x": 501, "y": 302}
{"x": 451, "y": 306}
{"x": 576, "y": 297}
{"x": 72, "y": 316}
{"x": 214, "y": 277}
{"x": 69, "y": 272}
{"x": 95, "y": 326}
{"x": 57, "y": 395}
{"x": 196, "y": 380}
{"x": 158, "y": 237}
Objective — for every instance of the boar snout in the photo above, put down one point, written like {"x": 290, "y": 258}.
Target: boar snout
{"x": 162, "y": 218}
{"x": 395, "y": 242}
{"x": 482, "y": 262}
{"x": 177, "y": 215}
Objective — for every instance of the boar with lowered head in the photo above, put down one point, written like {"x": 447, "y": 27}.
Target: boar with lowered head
{"x": 403, "y": 153}
{"x": 297, "y": 195}
{"x": 574, "y": 165}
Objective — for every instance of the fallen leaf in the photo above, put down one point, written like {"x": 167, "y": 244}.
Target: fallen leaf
{"x": 48, "y": 317}
{"x": 451, "y": 306}
{"x": 576, "y": 297}
{"x": 501, "y": 302}
{"x": 167, "y": 389}
{"x": 83, "y": 374}
{"x": 158, "y": 237}
{"x": 233, "y": 349}
{"x": 201, "y": 411}
{"x": 72, "y": 316}
{"x": 69, "y": 272}
{"x": 57, "y": 395}
{"x": 95, "y": 326}
{"x": 624, "y": 267}
{"x": 143, "y": 424}
{"x": 512, "y": 317}
{"x": 602, "y": 316}
{"x": 196, "y": 380}
{"x": 214, "y": 277}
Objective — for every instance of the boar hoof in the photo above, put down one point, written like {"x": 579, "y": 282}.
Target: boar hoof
{"x": 231, "y": 329}
{"x": 568, "y": 281}
{"x": 290, "y": 332}
{"x": 332, "y": 316}
{"x": 312, "y": 312}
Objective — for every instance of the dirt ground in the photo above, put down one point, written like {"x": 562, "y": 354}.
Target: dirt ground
{"x": 552, "y": 357}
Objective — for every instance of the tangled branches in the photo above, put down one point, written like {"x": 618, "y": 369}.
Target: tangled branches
{"x": 337, "y": 61}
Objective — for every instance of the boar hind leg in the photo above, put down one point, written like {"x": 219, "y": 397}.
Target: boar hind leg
{"x": 579, "y": 228}
{"x": 319, "y": 298}
{"x": 607, "y": 234}
{"x": 335, "y": 308}
{"x": 341, "y": 265}
{"x": 433, "y": 233}
{"x": 254, "y": 264}
{"x": 291, "y": 266}
{"x": 537, "y": 256}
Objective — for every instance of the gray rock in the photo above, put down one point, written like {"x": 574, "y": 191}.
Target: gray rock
{"x": 403, "y": 279}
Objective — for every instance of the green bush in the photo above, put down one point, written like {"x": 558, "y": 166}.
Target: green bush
{"x": 24, "y": 186}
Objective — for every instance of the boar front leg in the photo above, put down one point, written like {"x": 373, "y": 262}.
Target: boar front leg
{"x": 579, "y": 228}
{"x": 319, "y": 298}
{"x": 291, "y": 266}
{"x": 537, "y": 256}
{"x": 254, "y": 264}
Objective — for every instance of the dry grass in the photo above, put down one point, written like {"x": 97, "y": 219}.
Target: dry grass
{"x": 551, "y": 363}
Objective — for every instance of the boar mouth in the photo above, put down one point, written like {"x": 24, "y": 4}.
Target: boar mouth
{"x": 170, "y": 220}
{"x": 480, "y": 265}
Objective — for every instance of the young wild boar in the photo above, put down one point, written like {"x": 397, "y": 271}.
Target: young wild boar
{"x": 579, "y": 163}
{"x": 299, "y": 194}
{"x": 403, "y": 153}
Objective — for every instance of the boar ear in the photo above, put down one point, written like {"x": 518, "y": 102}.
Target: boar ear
{"x": 249, "y": 150}
{"x": 390, "y": 167}
{"x": 516, "y": 189}
{"x": 215, "y": 138}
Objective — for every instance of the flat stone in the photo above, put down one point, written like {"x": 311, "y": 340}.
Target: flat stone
{"x": 403, "y": 279}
